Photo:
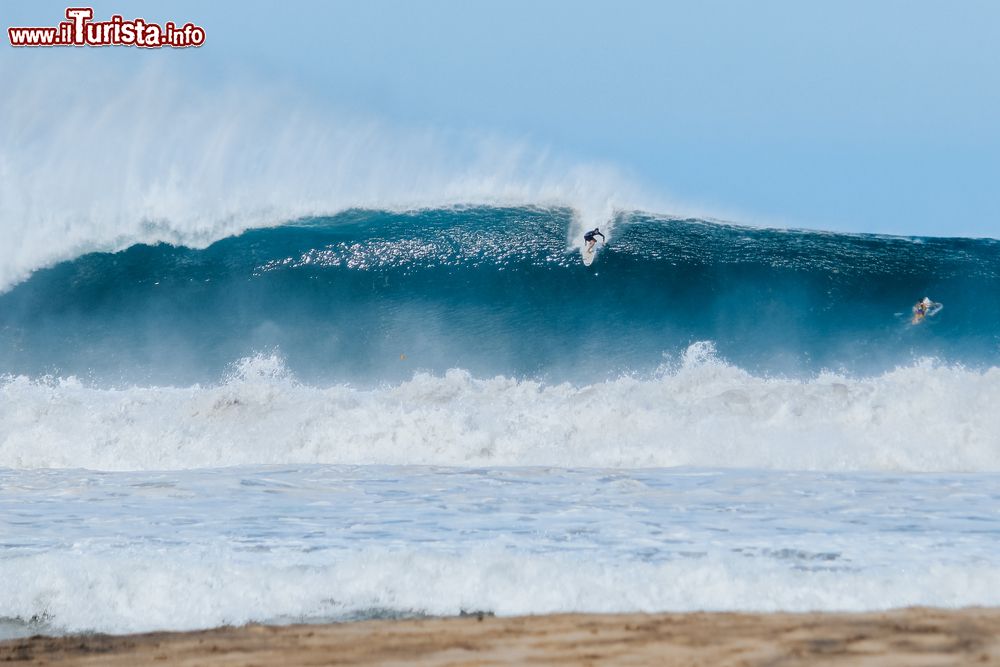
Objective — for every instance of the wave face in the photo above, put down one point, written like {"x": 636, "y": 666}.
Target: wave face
{"x": 368, "y": 297}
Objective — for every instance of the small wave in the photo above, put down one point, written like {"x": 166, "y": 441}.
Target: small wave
{"x": 183, "y": 589}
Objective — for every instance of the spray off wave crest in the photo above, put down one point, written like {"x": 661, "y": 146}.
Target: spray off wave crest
{"x": 153, "y": 159}
{"x": 702, "y": 412}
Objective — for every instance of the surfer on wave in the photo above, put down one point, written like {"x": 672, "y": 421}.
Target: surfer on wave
{"x": 589, "y": 237}
{"x": 924, "y": 308}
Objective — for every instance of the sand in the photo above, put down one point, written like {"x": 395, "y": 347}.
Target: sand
{"x": 911, "y": 637}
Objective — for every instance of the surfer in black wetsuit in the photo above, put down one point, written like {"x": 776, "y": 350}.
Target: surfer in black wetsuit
{"x": 589, "y": 237}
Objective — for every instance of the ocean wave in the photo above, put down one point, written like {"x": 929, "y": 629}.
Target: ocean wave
{"x": 702, "y": 412}
{"x": 347, "y": 298}
{"x": 157, "y": 159}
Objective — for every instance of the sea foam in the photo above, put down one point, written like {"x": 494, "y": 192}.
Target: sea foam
{"x": 191, "y": 589}
{"x": 700, "y": 412}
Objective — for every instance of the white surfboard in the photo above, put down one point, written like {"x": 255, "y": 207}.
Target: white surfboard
{"x": 589, "y": 254}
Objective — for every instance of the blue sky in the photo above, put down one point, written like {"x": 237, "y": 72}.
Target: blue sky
{"x": 858, "y": 116}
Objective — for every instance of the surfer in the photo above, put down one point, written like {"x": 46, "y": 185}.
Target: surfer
{"x": 922, "y": 309}
{"x": 589, "y": 237}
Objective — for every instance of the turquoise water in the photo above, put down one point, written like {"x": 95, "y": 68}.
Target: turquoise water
{"x": 366, "y": 297}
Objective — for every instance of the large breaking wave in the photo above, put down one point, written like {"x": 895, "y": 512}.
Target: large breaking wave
{"x": 368, "y": 297}
{"x": 156, "y": 157}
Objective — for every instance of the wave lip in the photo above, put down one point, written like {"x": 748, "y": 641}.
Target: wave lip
{"x": 703, "y": 412}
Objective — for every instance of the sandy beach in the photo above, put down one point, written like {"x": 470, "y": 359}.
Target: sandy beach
{"x": 917, "y": 636}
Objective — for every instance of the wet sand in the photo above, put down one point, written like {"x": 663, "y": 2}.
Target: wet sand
{"x": 910, "y": 637}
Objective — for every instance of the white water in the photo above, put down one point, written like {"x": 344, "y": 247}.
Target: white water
{"x": 705, "y": 412}
{"x": 122, "y": 552}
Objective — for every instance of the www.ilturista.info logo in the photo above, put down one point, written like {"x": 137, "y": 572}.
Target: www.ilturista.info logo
{"x": 80, "y": 30}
